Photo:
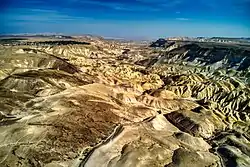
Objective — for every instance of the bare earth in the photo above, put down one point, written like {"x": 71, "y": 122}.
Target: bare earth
{"x": 99, "y": 103}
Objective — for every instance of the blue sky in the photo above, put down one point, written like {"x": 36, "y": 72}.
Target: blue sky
{"x": 127, "y": 18}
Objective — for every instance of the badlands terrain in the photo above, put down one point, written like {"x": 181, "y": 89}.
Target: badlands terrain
{"x": 86, "y": 101}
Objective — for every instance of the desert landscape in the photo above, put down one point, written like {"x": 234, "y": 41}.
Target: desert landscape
{"x": 94, "y": 102}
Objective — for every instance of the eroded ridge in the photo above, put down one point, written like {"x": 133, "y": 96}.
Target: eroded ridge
{"x": 113, "y": 103}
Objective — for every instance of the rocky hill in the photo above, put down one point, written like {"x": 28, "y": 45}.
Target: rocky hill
{"x": 112, "y": 104}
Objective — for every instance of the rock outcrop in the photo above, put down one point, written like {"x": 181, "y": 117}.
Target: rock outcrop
{"x": 113, "y": 104}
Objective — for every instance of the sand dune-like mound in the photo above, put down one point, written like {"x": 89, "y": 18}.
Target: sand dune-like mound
{"x": 120, "y": 104}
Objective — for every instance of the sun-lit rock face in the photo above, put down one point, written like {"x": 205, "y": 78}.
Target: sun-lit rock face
{"x": 116, "y": 104}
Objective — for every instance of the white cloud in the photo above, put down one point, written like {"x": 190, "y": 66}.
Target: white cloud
{"x": 119, "y": 5}
{"x": 172, "y": 3}
{"x": 40, "y": 15}
{"x": 182, "y": 19}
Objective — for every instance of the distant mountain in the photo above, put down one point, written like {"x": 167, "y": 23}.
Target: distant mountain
{"x": 35, "y": 36}
{"x": 162, "y": 43}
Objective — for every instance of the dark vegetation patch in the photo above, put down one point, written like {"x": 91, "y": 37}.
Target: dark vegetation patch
{"x": 20, "y": 41}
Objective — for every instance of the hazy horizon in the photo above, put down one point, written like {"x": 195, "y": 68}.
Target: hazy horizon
{"x": 127, "y": 19}
{"x": 115, "y": 37}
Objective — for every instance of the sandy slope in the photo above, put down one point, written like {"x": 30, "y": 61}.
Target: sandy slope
{"x": 96, "y": 105}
